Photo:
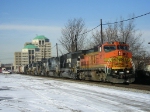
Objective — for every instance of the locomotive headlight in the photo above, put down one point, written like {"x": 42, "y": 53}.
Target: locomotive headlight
{"x": 115, "y": 71}
{"x": 127, "y": 71}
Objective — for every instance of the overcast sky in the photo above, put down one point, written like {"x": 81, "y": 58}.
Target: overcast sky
{"x": 22, "y": 20}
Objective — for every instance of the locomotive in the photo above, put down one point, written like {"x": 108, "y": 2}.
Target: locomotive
{"x": 111, "y": 62}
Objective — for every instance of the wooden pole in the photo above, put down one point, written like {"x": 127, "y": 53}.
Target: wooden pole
{"x": 101, "y": 32}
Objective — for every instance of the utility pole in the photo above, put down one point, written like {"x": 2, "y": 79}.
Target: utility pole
{"x": 101, "y": 32}
{"x": 72, "y": 46}
{"x": 57, "y": 49}
{"x": 76, "y": 41}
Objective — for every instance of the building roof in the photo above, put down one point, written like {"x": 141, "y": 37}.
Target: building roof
{"x": 40, "y": 37}
{"x": 30, "y": 46}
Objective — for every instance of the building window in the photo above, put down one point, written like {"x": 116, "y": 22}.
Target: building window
{"x": 32, "y": 57}
{"x": 29, "y": 51}
{"x": 39, "y": 42}
{"x": 29, "y": 57}
{"x": 42, "y": 42}
{"x": 32, "y": 51}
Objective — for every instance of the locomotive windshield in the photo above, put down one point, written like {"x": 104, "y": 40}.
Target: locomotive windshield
{"x": 122, "y": 47}
{"x": 109, "y": 48}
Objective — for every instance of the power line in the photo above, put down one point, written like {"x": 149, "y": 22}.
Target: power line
{"x": 89, "y": 30}
{"x": 116, "y": 22}
{"x": 53, "y": 46}
{"x": 128, "y": 19}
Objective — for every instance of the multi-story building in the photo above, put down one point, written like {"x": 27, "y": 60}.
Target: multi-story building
{"x": 37, "y": 50}
{"x": 44, "y": 47}
{"x": 17, "y": 60}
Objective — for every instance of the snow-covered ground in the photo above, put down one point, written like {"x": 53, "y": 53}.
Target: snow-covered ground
{"x": 20, "y": 93}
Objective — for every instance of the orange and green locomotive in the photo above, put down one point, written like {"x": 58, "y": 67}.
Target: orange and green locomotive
{"x": 112, "y": 61}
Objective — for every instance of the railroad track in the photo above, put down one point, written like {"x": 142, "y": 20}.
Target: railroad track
{"x": 135, "y": 86}
{"x": 128, "y": 86}
{"x": 97, "y": 83}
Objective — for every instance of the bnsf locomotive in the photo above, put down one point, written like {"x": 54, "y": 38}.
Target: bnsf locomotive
{"x": 111, "y": 62}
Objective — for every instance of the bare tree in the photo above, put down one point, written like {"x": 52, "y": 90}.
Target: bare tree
{"x": 72, "y": 35}
{"x": 124, "y": 32}
{"x": 96, "y": 37}
{"x": 112, "y": 33}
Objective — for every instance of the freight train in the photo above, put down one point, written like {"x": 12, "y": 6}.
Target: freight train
{"x": 110, "y": 62}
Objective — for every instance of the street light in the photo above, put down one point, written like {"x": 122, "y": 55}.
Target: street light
{"x": 148, "y": 42}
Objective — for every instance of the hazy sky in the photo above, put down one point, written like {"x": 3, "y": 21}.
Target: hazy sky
{"x": 22, "y": 20}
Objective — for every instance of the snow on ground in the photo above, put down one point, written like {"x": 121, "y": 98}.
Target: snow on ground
{"x": 21, "y": 93}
